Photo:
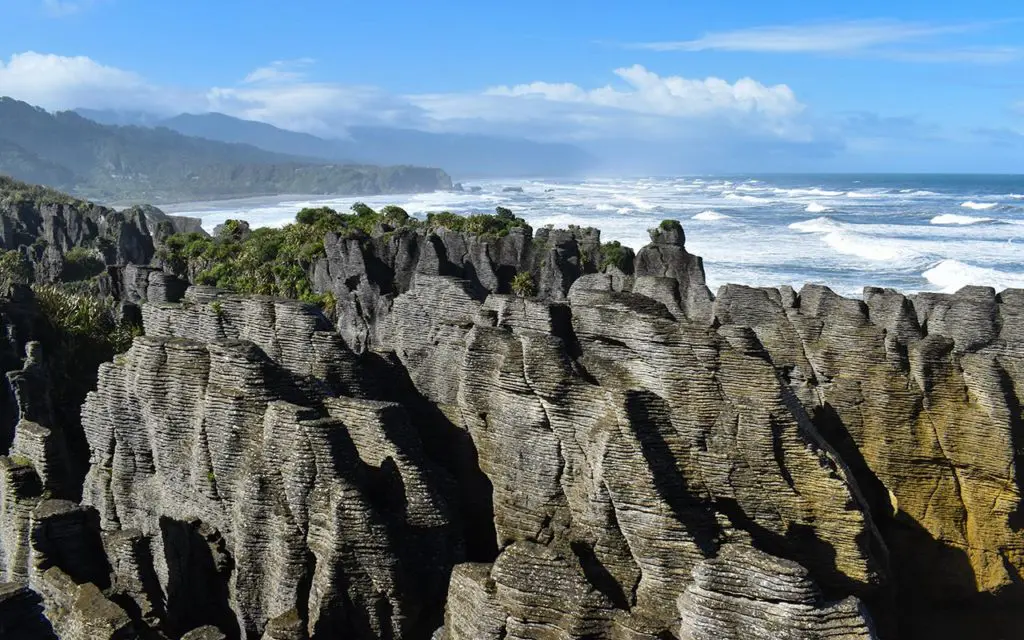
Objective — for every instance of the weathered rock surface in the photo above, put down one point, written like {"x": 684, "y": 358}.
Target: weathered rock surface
{"x": 745, "y": 594}
{"x": 46, "y": 232}
{"x": 327, "y": 508}
{"x": 624, "y": 456}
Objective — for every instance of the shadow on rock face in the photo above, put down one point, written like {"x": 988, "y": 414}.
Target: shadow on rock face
{"x": 198, "y": 570}
{"x": 450, "y": 447}
{"x": 933, "y": 590}
{"x": 648, "y": 416}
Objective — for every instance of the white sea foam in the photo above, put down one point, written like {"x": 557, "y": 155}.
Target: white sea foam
{"x": 746, "y": 198}
{"x": 845, "y": 239}
{"x": 919, "y": 192}
{"x": 952, "y": 218}
{"x": 808, "y": 192}
{"x": 641, "y": 205}
{"x": 864, "y": 194}
{"x": 709, "y": 216}
{"x": 816, "y": 225}
{"x": 952, "y": 275}
{"x": 814, "y": 207}
{"x": 979, "y": 206}
{"x": 869, "y": 247}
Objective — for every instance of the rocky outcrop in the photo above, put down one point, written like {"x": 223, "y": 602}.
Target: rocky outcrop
{"x": 744, "y": 593}
{"x": 365, "y": 275}
{"x": 134, "y": 284}
{"x": 668, "y": 273}
{"x": 163, "y": 224}
{"x": 920, "y": 396}
{"x": 46, "y": 231}
{"x": 646, "y": 451}
{"x": 245, "y": 469}
{"x": 621, "y": 456}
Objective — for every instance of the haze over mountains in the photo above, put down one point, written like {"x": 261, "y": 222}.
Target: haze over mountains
{"x": 461, "y": 154}
{"x": 131, "y": 163}
{"x": 115, "y": 156}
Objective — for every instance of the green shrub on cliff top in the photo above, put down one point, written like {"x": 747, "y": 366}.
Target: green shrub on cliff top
{"x": 16, "y": 191}
{"x": 523, "y": 286}
{"x": 81, "y": 264}
{"x": 14, "y": 269}
{"x": 279, "y": 262}
{"x": 496, "y": 225}
{"x": 614, "y": 254}
{"x": 270, "y": 261}
{"x": 86, "y": 320}
{"x": 84, "y": 330}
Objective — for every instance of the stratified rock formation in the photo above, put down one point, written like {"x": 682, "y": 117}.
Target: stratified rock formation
{"x": 746, "y": 594}
{"x": 621, "y": 456}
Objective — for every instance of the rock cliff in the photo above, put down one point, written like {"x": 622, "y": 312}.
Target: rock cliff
{"x": 64, "y": 239}
{"x": 622, "y": 455}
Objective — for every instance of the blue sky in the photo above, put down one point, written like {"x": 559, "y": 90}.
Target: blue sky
{"x": 908, "y": 86}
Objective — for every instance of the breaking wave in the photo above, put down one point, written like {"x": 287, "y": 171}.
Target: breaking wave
{"x": 979, "y": 206}
{"x": 847, "y": 241}
{"x": 952, "y": 218}
{"x": 708, "y": 216}
{"x": 952, "y": 275}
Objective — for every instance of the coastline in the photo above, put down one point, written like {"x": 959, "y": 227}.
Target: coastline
{"x": 907, "y": 232}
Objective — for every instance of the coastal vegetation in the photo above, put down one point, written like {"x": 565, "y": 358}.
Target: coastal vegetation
{"x": 614, "y": 254}
{"x": 523, "y": 285}
{"x": 81, "y": 263}
{"x": 15, "y": 192}
{"x": 279, "y": 261}
{"x": 14, "y": 269}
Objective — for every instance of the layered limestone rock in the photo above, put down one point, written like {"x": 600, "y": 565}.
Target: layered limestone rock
{"x": 47, "y": 231}
{"x": 262, "y": 493}
{"x": 921, "y": 396}
{"x": 623, "y": 447}
{"x": 667, "y": 272}
{"x": 622, "y": 456}
{"x": 746, "y": 594}
{"x": 367, "y": 274}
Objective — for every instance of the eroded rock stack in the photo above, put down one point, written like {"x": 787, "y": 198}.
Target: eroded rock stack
{"x": 622, "y": 456}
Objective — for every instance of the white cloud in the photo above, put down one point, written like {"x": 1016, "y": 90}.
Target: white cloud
{"x": 319, "y": 108}
{"x": 672, "y": 96}
{"x": 887, "y": 39}
{"x": 968, "y": 55}
{"x": 62, "y": 82}
{"x": 280, "y": 71}
{"x": 639, "y": 103}
{"x": 823, "y": 37}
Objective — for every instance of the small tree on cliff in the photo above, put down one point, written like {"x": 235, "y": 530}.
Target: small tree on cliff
{"x": 522, "y": 285}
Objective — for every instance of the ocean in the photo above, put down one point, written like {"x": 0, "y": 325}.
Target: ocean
{"x": 911, "y": 232}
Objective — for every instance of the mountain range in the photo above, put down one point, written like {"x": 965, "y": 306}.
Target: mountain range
{"x": 462, "y": 155}
{"x": 111, "y": 163}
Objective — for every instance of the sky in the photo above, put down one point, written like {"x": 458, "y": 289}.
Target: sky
{"x": 660, "y": 85}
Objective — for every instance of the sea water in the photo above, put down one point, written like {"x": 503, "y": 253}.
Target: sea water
{"x": 915, "y": 233}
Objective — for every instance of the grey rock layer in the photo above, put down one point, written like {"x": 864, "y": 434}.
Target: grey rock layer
{"x": 625, "y": 456}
